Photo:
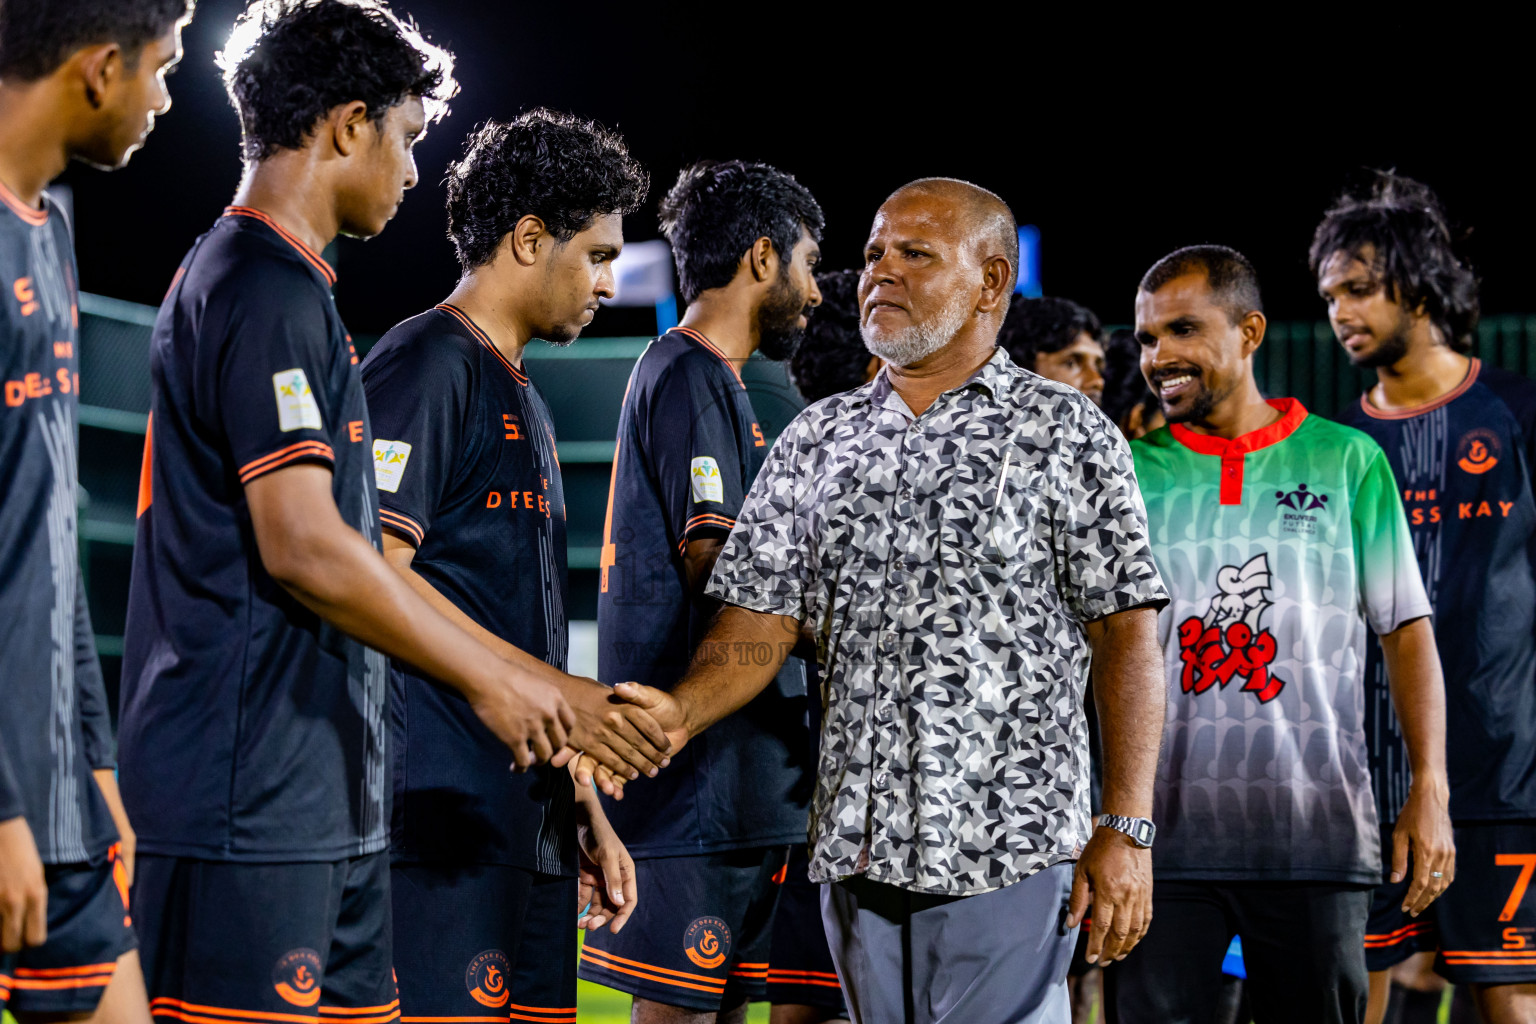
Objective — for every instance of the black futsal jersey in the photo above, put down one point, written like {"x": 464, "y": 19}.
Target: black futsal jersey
{"x": 689, "y": 447}
{"x": 251, "y": 730}
{"x": 54, "y": 723}
{"x": 466, "y": 468}
{"x": 1463, "y": 466}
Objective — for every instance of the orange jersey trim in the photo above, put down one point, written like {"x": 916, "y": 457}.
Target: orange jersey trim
{"x": 696, "y": 336}
{"x": 31, "y": 214}
{"x": 173, "y": 1007}
{"x": 483, "y": 339}
{"x": 313, "y": 258}
{"x": 65, "y": 972}
{"x": 610, "y": 551}
{"x": 1419, "y": 410}
{"x": 1402, "y": 934}
{"x": 570, "y": 1017}
{"x": 542, "y": 1009}
{"x": 774, "y": 978}
{"x": 54, "y": 984}
{"x": 146, "y": 469}
{"x": 404, "y": 524}
{"x": 357, "y": 1010}
{"x": 452, "y": 1020}
{"x": 267, "y": 463}
{"x": 651, "y": 973}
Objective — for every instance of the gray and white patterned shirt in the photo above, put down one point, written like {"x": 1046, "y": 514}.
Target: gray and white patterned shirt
{"x": 946, "y": 564}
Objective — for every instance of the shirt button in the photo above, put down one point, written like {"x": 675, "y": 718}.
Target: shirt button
{"x": 885, "y": 713}
{"x": 881, "y": 779}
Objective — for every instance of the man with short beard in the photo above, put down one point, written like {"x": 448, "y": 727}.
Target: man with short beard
{"x": 1283, "y": 541}
{"x": 961, "y": 537}
{"x": 1461, "y": 440}
{"x": 711, "y": 835}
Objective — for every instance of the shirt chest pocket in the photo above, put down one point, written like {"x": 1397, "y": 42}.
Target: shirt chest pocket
{"x": 993, "y": 514}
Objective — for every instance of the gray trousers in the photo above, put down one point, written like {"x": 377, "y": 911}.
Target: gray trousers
{"x": 911, "y": 958}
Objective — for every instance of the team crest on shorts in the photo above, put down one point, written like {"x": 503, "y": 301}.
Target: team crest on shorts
{"x": 296, "y": 977}
{"x": 486, "y": 979}
{"x": 707, "y": 942}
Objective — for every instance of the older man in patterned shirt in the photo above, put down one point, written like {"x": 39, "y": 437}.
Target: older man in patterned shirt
{"x": 962, "y": 537}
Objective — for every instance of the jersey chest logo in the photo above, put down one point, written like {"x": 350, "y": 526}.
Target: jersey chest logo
{"x": 1305, "y": 507}
{"x": 1230, "y": 641}
{"x": 1478, "y": 451}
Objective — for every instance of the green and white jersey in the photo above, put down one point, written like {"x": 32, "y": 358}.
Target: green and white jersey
{"x": 1279, "y": 548}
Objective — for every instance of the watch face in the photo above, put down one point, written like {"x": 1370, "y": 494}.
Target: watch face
{"x": 1142, "y": 833}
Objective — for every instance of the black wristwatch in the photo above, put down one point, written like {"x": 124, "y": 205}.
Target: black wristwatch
{"x": 1141, "y": 830}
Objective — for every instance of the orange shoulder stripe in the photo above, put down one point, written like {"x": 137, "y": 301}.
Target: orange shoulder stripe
{"x": 294, "y": 451}
{"x": 696, "y": 336}
{"x": 483, "y": 338}
{"x": 313, "y": 258}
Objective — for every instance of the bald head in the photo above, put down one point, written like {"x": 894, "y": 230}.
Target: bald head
{"x": 986, "y": 220}
{"x": 939, "y": 266}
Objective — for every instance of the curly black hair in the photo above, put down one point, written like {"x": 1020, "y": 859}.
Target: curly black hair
{"x": 831, "y": 357}
{"x": 1233, "y": 281}
{"x": 717, "y": 210}
{"x": 1041, "y": 325}
{"x": 36, "y": 36}
{"x": 1124, "y": 386}
{"x": 1413, "y": 251}
{"x": 562, "y": 169}
{"x": 289, "y": 62}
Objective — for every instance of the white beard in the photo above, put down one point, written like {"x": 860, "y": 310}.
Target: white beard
{"x": 917, "y": 342}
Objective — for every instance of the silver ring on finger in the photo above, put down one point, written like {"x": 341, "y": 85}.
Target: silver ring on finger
{"x": 1437, "y": 874}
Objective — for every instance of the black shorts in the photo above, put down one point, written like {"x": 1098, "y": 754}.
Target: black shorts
{"x": 800, "y": 968}
{"x": 88, "y": 930}
{"x": 1484, "y": 926}
{"x": 1391, "y": 936}
{"x": 1301, "y": 948}
{"x": 700, "y": 937}
{"x": 474, "y": 942}
{"x": 235, "y": 943}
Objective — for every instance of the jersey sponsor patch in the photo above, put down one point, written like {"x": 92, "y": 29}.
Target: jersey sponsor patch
{"x": 389, "y": 459}
{"x": 704, "y": 472}
{"x": 296, "y": 408}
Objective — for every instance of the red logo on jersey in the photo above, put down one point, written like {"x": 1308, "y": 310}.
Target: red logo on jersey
{"x": 1230, "y": 641}
{"x": 1478, "y": 451}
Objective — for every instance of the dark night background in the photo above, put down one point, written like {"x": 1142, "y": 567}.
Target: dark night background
{"x": 1118, "y": 152}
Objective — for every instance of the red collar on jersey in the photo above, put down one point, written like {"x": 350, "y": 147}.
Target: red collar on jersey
{"x": 1231, "y": 452}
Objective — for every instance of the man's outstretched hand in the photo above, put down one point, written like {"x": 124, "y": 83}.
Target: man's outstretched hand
{"x": 594, "y": 765}
{"x": 620, "y": 736}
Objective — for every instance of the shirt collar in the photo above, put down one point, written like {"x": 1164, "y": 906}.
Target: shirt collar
{"x": 1291, "y": 414}
{"x": 991, "y": 378}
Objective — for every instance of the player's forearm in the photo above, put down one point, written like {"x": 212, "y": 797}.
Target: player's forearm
{"x": 1418, "y": 695}
{"x": 456, "y": 615}
{"x": 726, "y": 673}
{"x": 1129, "y": 692}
